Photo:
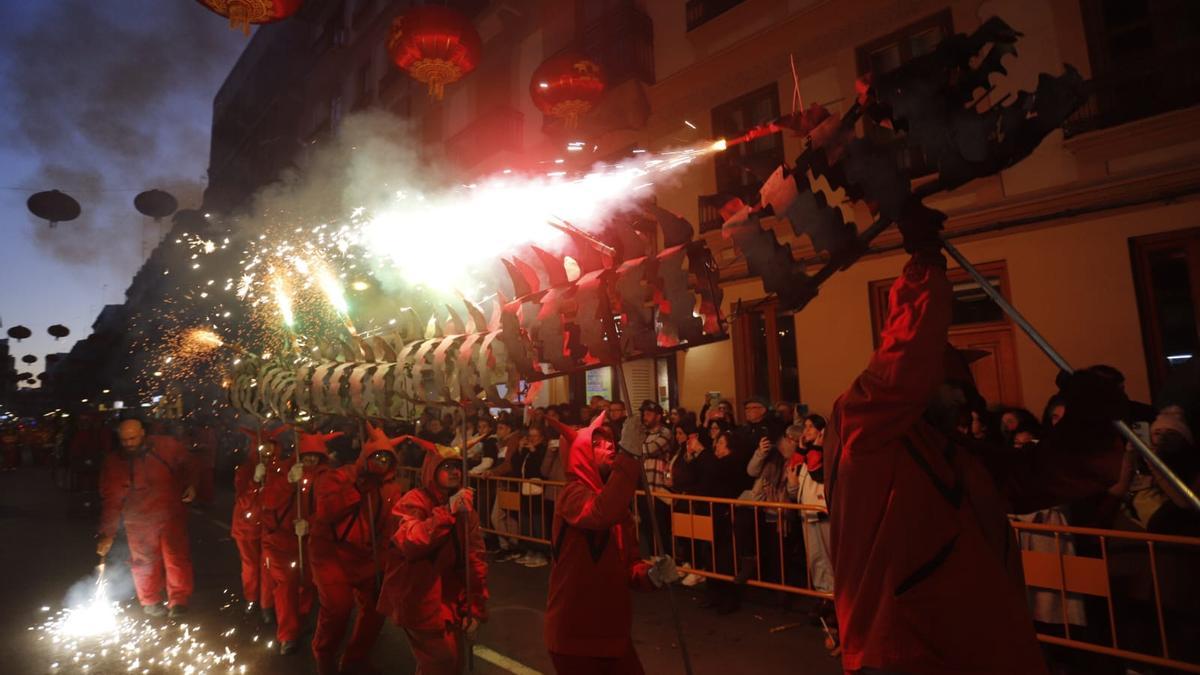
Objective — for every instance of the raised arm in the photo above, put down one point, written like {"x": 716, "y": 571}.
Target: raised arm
{"x": 892, "y": 393}
{"x": 583, "y": 508}
{"x": 421, "y": 530}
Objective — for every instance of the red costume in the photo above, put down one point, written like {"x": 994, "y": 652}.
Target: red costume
{"x": 353, "y": 504}
{"x": 425, "y": 593}
{"x": 282, "y": 553}
{"x": 927, "y": 570}
{"x": 246, "y": 526}
{"x": 145, "y": 489}
{"x": 589, "y": 611}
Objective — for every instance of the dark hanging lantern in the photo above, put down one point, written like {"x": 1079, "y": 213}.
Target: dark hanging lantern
{"x": 59, "y": 331}
{"x": 29, "y": 358}
{"x": 567, "y": 86}
{"x": 19, "y": 333}
{"x": 243, "y": 13}
{"x": 155, "y": 203}
{"x": 54, "y": 206}
{"x": 435, "y": 45}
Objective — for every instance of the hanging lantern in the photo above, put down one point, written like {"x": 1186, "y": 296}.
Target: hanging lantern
{"x": 58, "y": 331}
{"x": 567, "y": 86}
{"x": 53, "y": 206}
{"x": 242, "y": 13}
{"x": 19, "y": 333}
{"x": 29, "y": 358}
{"x": 436, "y": 45}
{"x": 155, "y": 203}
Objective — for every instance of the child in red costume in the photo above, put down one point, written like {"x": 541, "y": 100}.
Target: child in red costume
{"x": 285, "y": 560}
{"x": 928, "y": 574}
{"x": 589, "y": 611}
{"x": 246, "y": 527}
{"x": 426, "y": 593}
{"x": 146, "y": 483}
{"x": 353, "y": 504}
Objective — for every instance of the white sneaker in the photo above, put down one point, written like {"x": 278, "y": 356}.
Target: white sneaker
{"x": 534, "y": 560}
{"x": 692, "y": 579}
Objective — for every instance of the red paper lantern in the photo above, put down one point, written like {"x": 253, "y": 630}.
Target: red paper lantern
{"x": 436, "y": 45}
{"x": 567, "y": 86}
{"x": 242, "y": 13}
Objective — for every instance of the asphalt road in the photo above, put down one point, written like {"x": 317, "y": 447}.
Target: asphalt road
{"x": 46, "y": 549}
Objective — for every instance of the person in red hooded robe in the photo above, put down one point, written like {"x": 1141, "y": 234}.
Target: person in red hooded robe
{"x": 261, "y": 459}
{"x": 589, "y": 611}
{"x": 928, "y": 571}
{"x": 288, "y": 502}
{"x": 147, "y": 483}
{"x": 353, "y": 505}
{"x": 426, "y": 593}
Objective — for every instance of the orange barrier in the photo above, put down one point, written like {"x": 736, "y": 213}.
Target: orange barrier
{"x": 1142, "y": 591}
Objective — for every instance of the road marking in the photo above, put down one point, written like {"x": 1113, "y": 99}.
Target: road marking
{"x": 497, "y": 659}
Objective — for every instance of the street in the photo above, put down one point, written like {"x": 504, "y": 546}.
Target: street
{"x": 47, "y": 551}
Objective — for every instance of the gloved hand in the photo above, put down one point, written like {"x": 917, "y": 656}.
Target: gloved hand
{"x": 189, "y": 494}
{"x": 301, "y": 527}
{"x": 633, "y": 434}
{"x": 471, "y": 627}
{"x": 462, "y": 501}
{"x": 295, "y": 473}
{"x": 662, "y": 571}
{"x": 1092, "y": 393}
{"x": 920, "y": 226}
{"x": 103, "y": 545}
{"x": 260, "y": 472}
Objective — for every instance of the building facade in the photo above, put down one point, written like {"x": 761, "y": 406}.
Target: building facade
{"x": 1095, "y": 237}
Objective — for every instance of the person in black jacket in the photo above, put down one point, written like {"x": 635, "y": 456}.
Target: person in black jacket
{"x": 725, "y": 478}
{"x": 690, "y": 468}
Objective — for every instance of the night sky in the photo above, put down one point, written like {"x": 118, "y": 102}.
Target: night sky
{"x": 101, "y": 100}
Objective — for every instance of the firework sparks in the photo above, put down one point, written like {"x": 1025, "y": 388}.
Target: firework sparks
{"x": 284, "y": 301}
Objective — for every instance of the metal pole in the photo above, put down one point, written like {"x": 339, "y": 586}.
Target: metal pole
{"x": 1061, "y": 362}
{"x": 466, "y": 548}
{"x": 625, "y": 394}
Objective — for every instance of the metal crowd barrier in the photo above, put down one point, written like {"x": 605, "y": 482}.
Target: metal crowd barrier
{"x": 1141, "y": 591}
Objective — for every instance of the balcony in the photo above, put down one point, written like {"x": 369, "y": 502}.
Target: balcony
{"x": 709, "y": 208}
{"x": 1135, "y": 93}
{"x": 500, "y": 130}
{"x": 700, "y": 12}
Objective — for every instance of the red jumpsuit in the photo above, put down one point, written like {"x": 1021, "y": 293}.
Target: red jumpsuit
{"x": 589, "y": 610}
{"x": 927, "y": 571}
{"x": 348, "y": 565}
{"x": 145, "y": 489}
{"x": 425, "y": 592}
{"x": 291, "y": 580}
{"x": 246, "y": 525}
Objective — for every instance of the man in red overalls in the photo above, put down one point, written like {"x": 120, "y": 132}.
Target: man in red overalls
{"x": 425, "y": 594}
{"x": 246, "y": 528}
{"x": 928, "y": 572}
{"x": 288, "y": 501}
{"x": 589, "y": 610}
{"x": 353, "y": 504}
{"x": 146, "y": 483}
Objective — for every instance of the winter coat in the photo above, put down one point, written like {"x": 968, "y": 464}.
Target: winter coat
{"x": 928, "y": 571}
{"x": 589, "y": 610}
{"x": 426, "y": 588}
{"x": 145, "y": 488}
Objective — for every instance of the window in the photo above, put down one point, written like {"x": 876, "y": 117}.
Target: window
{"x": 764, "y": 345}
{"x": 891, "y": 52}
{"x": 976, "y": 324}
{"x": 1138, "y": 50}
{"x": 739, "y": 168}
{"x": 1166, "y": 269}
{"x": 700, "y": 12}
{"x": 619, "y": 35}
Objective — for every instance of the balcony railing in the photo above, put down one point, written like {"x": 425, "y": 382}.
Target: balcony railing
{"x": 1136, "y": 93}
{"x": 700, "y": 12}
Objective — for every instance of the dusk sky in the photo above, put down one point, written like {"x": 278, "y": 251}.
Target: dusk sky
{"x": 101, "y": 100}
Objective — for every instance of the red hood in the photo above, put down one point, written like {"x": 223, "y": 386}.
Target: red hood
{"x": 264, "y": 436}
{"x": 377, "y": 441}
{"x": 315, "y": 443}
{"x": 581, "y": 457}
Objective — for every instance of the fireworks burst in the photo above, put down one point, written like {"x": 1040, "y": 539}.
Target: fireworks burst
{"x": 93, "y": 635}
